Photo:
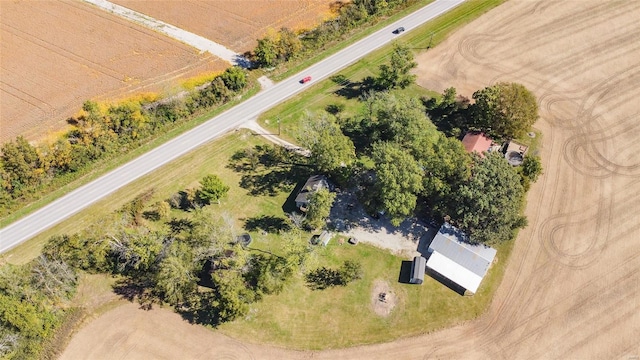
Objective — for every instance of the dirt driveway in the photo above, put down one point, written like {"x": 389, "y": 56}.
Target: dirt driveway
{"x": 572, "y": 286}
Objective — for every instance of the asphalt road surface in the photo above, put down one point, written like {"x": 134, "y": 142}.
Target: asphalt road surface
{"x": 75, "y": 201}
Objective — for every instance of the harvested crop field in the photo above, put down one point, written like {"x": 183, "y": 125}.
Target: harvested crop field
{"x": 234, "y": 24}
{"x": 572, "y": 285}
{"x": 57, "y": 54}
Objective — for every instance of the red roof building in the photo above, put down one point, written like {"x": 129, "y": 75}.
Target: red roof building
{"x": 477, "y": 142}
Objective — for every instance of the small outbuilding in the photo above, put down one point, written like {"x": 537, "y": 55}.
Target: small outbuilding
{"x": 452, "y": 256}
{"x": 477, "y": 142}
{"x": 325, "y": 236}
{"x": 313, "y": 184}
{"x": 417, "y": 270}
{"x": 515, "y": 152}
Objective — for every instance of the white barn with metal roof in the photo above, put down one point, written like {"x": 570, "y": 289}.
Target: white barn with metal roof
{"x": 457, "y": 260}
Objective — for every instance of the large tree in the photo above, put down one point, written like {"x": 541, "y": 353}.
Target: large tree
{"x": 266, "y": 52}
{"x": 488, "y": 206}
{"x": 398, "y": 181}
{"x": 21, "y": 163}
{"x": 320, "y": 203}
{"x": 505, "y": 110}
{"x": 175, "y": 278}
{"x": 399, "y": 119}
{"x": 397, "y": 74}
{"x": 234, "y": 78}
{"x": 331, "y": 150}
{"x": 448, "y": 167}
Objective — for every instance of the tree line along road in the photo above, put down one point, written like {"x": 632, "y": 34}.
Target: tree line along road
{"x": 62, "y": 208}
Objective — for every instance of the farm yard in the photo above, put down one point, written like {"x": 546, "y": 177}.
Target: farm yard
{"x": 234, "y": 24}
{"x": 57, "y": 54}
{"x": 572, "y": 284}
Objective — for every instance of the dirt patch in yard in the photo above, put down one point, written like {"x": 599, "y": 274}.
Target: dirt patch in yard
{"x": 383, "y": 299}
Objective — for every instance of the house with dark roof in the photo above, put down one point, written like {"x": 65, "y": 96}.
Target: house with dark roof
{"x": 477, "y": 142}
{"x": 453, "y": 257}
{"x": 313, "y": 184}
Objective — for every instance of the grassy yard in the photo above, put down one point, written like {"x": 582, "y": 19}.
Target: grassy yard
{"x": 298, "y": 317}
{"x": 339, "y": 317}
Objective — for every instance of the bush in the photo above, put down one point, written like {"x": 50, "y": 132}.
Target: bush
{"x": 323, "y": 277}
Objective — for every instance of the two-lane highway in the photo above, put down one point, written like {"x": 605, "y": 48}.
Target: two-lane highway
{"x": 88, "y": 194}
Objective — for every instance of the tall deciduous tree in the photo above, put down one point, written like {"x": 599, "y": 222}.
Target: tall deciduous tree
{"x": 400, "y": 119}
{"x": 175, "y": 278}
{"x": 289, "y": 45}
{"x": 21, "y": 163}
{"x": 266, "y": 52}
{"x": 488, "y": 205}
{"x": 397, "y": 74}
{"x": 331, "y": 150}
{"x": 398, "y": 180}
{"x": 320, "y": 203}
{"x": 505, "y": 110}
{"x": 446, "y": 169}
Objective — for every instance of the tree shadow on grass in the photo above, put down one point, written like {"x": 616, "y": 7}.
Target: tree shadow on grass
{"x": 151, "y": 215}
{"x": 135, "y": 288}
{"x": 268, "y": 183}
{"x": 268, "y": 223}
{"x": 404, "y": 276}
{"x": 356, "y": 89}
{"x": 178, "y": 225}
{"x": 268, "y": 170}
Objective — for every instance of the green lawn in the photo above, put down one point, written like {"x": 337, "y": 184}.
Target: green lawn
{"x": 299, "y": 317}
{"x": 339, "y": 317}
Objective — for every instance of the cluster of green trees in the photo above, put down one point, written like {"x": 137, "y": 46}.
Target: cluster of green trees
{"x": 504, "y": 111}
{"x": 27, "y": 170}
{"x": 34, "y": 299}
{"x": 285, "y": 45}
{"x": 324, "y": 277}
{"x": 193, "y": 262}
{"x": 401, "y": 161}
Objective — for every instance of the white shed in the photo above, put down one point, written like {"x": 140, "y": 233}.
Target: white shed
{"x": 457, "y": 260}
{"x": 417, "y": 270}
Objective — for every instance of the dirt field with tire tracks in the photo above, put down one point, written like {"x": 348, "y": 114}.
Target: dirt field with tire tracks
{"x": 572, "y": 286}
{"x": 232, "y": 23}
{"x": 57, "y": 54}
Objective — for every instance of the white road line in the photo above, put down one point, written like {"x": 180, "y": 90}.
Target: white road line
{"x": 189, "y": 38}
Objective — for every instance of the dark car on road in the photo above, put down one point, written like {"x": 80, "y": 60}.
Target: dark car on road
{"x": 398, "y": 30}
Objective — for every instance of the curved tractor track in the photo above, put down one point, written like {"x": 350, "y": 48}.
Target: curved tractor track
{"x": 572, "y": 286}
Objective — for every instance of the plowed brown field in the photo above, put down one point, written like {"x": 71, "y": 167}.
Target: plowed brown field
{"x": 54, "y": 55}
{"x": 572, "y": 285}
{"x": 232, "y": 23}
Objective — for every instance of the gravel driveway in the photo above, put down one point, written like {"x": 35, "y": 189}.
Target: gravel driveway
{"x": 349, "y": 218}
